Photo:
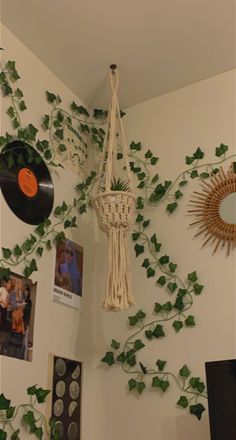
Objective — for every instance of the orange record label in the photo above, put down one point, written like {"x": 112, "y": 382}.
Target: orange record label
{"x": 27, "y": 182}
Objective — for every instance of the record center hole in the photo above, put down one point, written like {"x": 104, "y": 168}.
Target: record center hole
{"x": 27, "y": 182}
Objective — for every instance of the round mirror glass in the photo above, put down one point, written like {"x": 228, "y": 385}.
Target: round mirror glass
{"x": 228, "y": 209}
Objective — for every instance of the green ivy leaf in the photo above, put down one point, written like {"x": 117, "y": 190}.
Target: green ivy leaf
{"x": 10, "y": 412}
{"x": 184, "y": 371}
{"x": 204, "y": 175}
{"x": 161, "y": 364}
{"x": 2, "y": 78}
{"x": 115, "y": 344}
{"x": 172, "y": 287}
{"x": 11, "y": 112}
{"x": 154, "y": 160}
{"x": 178, "y": 325}
{"x": 171, "y": 207}
{"x": 160, "y": 383}
{"x": 161, "y": 280}
{"x": 179, "y": 304}
{"x": 38, "y": 432}
{"x": 153, "y": 239}
{"x": 150, "y": 272}
{"x": 60, "y": 133}
{"x": 41, "y": 395}
{"x": 132, "y": 384}
{"x": 139, "y": 218}
{"x": 197, "y": 288}
{"x": 158, "y": 332}
{"x": 183, "y": 401}
{"x": 157, "y": 308}
{"x": 121, "y": 357}
{"x": 155, "y": 178}
{"x": 132, "y": 320}
{"x": 138, "y": 344}
{"x": 192, "y": 277}
{"x": 4, "y": 403}
{"x": 189, "y": 160}
{"x": 198, "y": 154}
{"x": 131, "y": 360}
{"x": 178, "y": 194}
{"x": 22, "y": 106}
{"x": 40, "y": 230}
{"x": 172, "y": 267}
{"x": 39, "y": 251}
{"x": 108, "y": 358}
{"x": 6, "y": 253}
{"x": 194, "y": 174}
{"x": 140, "y": 386}
{"x": 222, "y": 149}
{"x": 135, "y": 146}
{"x": 3, "y": 435}
{"x": 148, "y": 154}
{"x": 146, "y": 223}
{"x": 51, "y": 97}
{"x": 140, "y": 315}
{"x": 164, "y": 259}
{"x": 15, "y": 435}
{"x": 148, "y": 334}
{"x": 189, "y": 321}
{"x": 181, "y": 293}
{"x": 183, "y": 183}
{"x": 139, "y": 249}
{"x": 197, "y": 410}
{"x": 167, "y": 307}
{"x": 31, "y": 390}
{"x": 17, "y": 251}
{"x": 19, "y": 93}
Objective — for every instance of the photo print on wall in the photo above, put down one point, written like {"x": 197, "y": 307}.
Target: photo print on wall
{"x": 17, "y": 310}
{"x": 65, "y": 405}
{"x": 68, "y": 274}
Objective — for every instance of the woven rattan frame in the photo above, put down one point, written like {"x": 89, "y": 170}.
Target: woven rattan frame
{"x": 212, "y": 228}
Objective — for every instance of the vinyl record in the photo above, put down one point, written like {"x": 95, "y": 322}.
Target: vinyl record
{"x": 26, "y": 183}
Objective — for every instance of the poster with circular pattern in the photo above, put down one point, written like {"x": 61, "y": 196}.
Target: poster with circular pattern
{"x": 65, "y": 378}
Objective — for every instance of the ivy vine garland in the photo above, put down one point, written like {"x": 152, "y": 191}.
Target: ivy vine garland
{"x": 180, "y": 293}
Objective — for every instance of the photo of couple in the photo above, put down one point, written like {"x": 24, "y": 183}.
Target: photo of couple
{"x": 68, "y": 273}
{"x": 17, "y": 306}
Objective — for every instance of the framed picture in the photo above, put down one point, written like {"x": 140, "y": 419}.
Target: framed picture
{"x": 17, "y": 311}
{"x": 68, "y": 274}
{"x": 65, "y": 406}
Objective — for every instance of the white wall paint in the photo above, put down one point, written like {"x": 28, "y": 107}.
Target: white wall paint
{"x": 173, "y": 126}
{"x": 58, "y": 329}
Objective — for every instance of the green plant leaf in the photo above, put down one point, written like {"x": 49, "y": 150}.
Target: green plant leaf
{"x": 197, "y": 410}
{"x": 132, "y": 384}
{"x": 155, "y": 178}
{"x": 161, "y": 280}
{"x": 222, "y": 149}
{"x": 154, "y": 160}
{"x": 51, "y": 97}
{"x": 31, "y": 390}
{"x": 179, "y": 304}
{"x": 183, "y": 401}
{"x": 148, "y": 334}
{"x": 183, "y": 183}
{"x": 143, "y": 368}
{"x": 108, "y": 358}
{"x": 198, "y": 154}
{"x": 60, "y": 133}
{"x": 39, "y": 251}
{"x": 178, "y": 194}
{"x": 161, "y": 364}
{"x": 22, "y": 106}
{"x": 133, "y": 320}
{"x": 158, "y": 332}
{"x": 204, "y": 175}
{"x": 11, "y": 112}
{"x": 10, "y": 412}
{"x": 17, "y": 251}
{"x": 146, "y": 263}
{"x": 171, "y": 207}
{"x": 121, "y": 357}
{"x": 139, "y": 249}
{"x": 189, "y": 160}
{"x": 15, "y": 435}
{"x": 150, "y": 272}
{"x": 135, "y": 146}
{"x": 38, "y": 432}
{"x": 184, "y": 371}
{"x": 4, "y": 403}
{"x": 148, "y": 154}
{"x": 146, "y": 223}
{"x": 167, "y": 307}
{"x": 194, "y": 174}
{"x": 157, "y": 308}
{"x": 140, "y": 386}
{"x": 178, "y": 325}
{"x": 135, "y": 236}
{"x": 138, "y": 344}
{"x": 172, "y": 267}
{"x": 160, "y": 383}
{"x": 131, "y": 360}
{"x": 6, "y": 253}
{"x": 115, "y": 344}
{"x": 193, "y": 277}
{"x": 172, "y": 287}
{"x": 139, "y": 218}
{"x": 189, "y": 321}
{"x": 140, "y": 314}
{"x": 164, "y": 259}
{"x": 3, "y": 435}
{"x": 41, "y": 394}
{"x": 197, "y": 288}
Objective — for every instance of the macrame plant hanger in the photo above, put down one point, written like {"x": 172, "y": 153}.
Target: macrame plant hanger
{"x": 115, "y": 209}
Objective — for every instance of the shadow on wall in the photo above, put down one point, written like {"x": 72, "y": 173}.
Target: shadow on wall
{"x": 184, "y": 427}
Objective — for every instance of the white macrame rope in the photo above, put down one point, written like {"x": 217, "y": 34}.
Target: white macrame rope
{"x": 115, "y": 210}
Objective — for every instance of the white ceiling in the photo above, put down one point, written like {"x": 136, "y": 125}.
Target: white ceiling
{"x": 158, "y": 45}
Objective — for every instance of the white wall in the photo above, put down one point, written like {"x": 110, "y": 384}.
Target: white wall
{"x": 173, "y": 126}
{"x": 58, "y": 329}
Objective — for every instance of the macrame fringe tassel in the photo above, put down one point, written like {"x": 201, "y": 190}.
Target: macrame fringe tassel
{"x": 118, "y": 295}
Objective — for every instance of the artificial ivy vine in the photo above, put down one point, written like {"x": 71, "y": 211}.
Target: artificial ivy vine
{"x": 30, "y": 417}
{"x": 69, "y": 133}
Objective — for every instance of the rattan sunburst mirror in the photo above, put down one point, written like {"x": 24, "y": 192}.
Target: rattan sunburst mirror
{"x": 214, "y": 208}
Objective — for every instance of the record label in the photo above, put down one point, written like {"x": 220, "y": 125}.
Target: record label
{"x": 27, "y": 182}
